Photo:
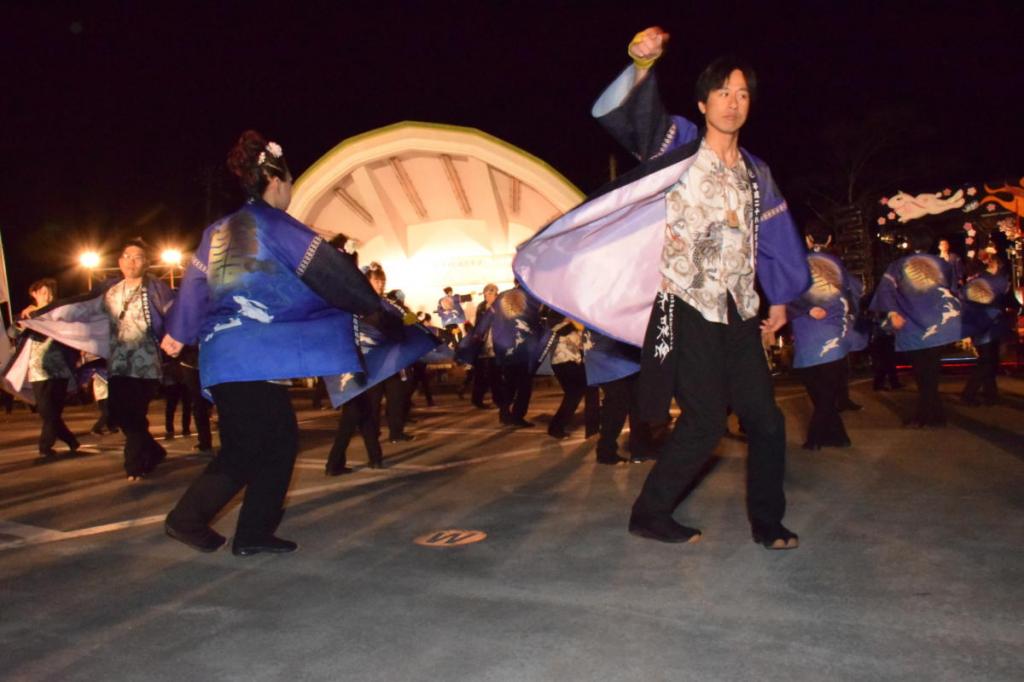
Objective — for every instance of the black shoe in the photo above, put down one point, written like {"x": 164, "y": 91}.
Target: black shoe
{"x": 557, "y": 434}
{"x": 481, "y": 406}
{"x": 169, "y": 435}
{"x": 206, "y": 540}
{"x": 849, "y": 406}
{"x": 611, "y": 461}
{"x": 186, "y": 434}
{"x": 47, "y": 455}
{"x": 641, "y": 457}
{"x": 775, "y": 536}
{"x": 662, "y": 529}
{"x": 519, "y": 423}
{"x": 811, "y": 445}
{"x": 504, "y": 417}
{"x": 376, "y": 464}
{"x": 338, "y": 471}
{"x": 270, "y": 545}
{"x": 401, "y": 438}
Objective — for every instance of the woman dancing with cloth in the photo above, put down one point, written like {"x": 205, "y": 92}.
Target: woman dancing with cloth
{"x": 267, "y": 299}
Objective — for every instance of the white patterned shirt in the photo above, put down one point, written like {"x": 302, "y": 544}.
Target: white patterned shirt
{"x": 708, "y": 252}
{"x": 133, "y": 351}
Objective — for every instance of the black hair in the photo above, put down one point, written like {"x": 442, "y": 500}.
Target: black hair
{"x": 717, "y": 73}
{"x": 920, "y": 240}
{"x": 140, "y": 243}
{"x": 375, "y": 271}
{"x": 44, "y": 283}
{"x": 448, "y": 290}
{"x": 254, "y": 164}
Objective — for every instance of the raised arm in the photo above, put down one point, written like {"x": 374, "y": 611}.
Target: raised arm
{"x": 631, "y": 110}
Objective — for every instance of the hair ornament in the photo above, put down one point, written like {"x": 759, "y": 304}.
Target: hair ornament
{"x": 274, "y": 150}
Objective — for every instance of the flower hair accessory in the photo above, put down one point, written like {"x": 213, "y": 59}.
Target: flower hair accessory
{"x": 275, "y": 151}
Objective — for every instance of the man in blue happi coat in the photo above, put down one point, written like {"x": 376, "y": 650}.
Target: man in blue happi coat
{"x": 673, "y": 248}
{"x": 985, "y": 299}
{"x": 919, "y": 296}
{"x": 823, "y": 319}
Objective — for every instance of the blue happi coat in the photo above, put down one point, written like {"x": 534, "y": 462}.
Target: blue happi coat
{"x": 985, "y": 297}
{"x": 449, "y": 309}
{"x": 606, "y": 359}
{"x": 518, "y": 334}
{"x": 382, "y": 355}
{"x": 920, "y": 288}
{"x": 599, "y": 263}
{"x": 472, "y": 344}
{"x": 246, "y": 298}
{"x": 831, "y": 338}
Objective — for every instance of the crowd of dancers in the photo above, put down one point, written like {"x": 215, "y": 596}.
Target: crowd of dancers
{"x": 666, "y": 285}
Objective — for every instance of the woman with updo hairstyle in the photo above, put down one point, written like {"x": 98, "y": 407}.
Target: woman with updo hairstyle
{"x": 267, "y": 300}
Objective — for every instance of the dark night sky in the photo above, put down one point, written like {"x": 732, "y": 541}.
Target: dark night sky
{"x": 117, "y": 116}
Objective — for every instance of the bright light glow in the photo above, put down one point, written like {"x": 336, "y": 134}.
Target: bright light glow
{"x": 171, "y": 257}
{"x": 89, "y": 259}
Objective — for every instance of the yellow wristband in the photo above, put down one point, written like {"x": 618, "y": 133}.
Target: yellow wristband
{"x": 640, "y": 63}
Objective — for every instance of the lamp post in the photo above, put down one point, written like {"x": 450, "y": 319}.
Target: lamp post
{"x": 172, "y": 259}
{"x": 90, "y": 260}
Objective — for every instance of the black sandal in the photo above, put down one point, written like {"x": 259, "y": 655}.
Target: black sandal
{"x": 768, "y": 537}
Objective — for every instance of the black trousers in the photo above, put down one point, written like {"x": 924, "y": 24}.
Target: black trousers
{"x": 572, "y": 377}
{"x": 129, "y": 405}
{"x": 396, "y": 394}
{"x": 259, "y": 442}
{"x": 455, "y": 331}
{"x": 516, "y": 390}
{"x": 618, "y": 404}
{"x": 718, "y": 365}
{"x": 200, "y": 407}
{"x": 103, "y": 421}
{"x": 927, "y": 365}
{"x": 983, "y": 378}
{"x": 362, "y": 413}
{"x": 486, "y": 377}
{"x": 173, "y": 394}
{"x": 50, "y": 395}
{"x": 883, "y": 361}
{"x": 420, "y": 379}
{"x": 826, "y": 385}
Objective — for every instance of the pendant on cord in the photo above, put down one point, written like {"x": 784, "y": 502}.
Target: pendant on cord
{"x": 732, "y": 219}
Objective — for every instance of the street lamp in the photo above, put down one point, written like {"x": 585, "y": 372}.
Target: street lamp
{"x": 90, "y": 260}
{"x": 172, "y": 259}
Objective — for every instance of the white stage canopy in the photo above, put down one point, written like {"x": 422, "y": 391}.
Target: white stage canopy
{"x": 436, "y": 205}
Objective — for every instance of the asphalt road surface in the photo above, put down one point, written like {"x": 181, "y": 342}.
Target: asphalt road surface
{"x": 910, "y": 565}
